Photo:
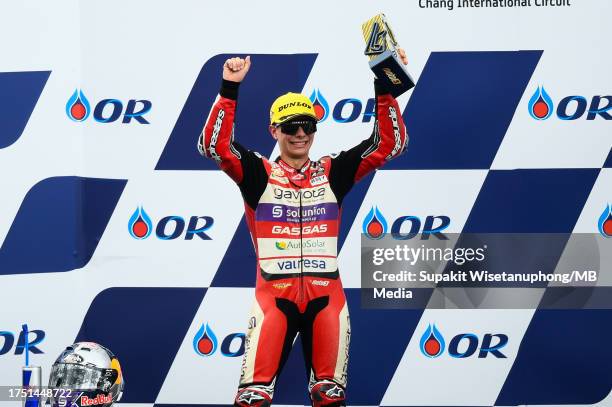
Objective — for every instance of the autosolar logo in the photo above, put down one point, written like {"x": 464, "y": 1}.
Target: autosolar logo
{"x": 345, "y": 110}
{"x": 463, "y": 345}
{"x": 572, "y": 107}
{"x": 605, "y": 222}
{"x": 78, "y": 109}
{"x": 141, "y": 226}
{"x": 205, "y": 343}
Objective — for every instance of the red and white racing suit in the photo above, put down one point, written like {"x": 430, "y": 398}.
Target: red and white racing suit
{"x": 293, "y": 216}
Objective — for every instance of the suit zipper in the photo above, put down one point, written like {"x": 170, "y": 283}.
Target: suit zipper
{"x": 301, "y": 294}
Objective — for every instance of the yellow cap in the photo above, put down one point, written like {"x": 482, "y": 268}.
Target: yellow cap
{"x": 291, "y": 105}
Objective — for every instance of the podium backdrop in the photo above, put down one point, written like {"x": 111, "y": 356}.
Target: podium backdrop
{"x": 101, "y": 107}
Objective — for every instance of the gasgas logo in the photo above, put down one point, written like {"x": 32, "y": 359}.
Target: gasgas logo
{"x": 345, "y": 110}
{"x": 78, "y": 109}
{"x": 573, "y": 107}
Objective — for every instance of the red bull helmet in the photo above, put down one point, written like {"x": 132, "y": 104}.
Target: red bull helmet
{"x": 86, "y": 374}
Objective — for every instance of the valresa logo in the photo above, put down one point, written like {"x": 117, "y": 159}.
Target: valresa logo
{"x": 297, "y": 264}
{"x": 345, "y": 111}
{"x": 7, "y": 341}
{"x": 78, "y": 109}
{"x": 463, "y": 345}
{"x": 375, "y": 226}
{"x": 572, "y": 107}
{"x": 605, "y": 222}
{"x": 140, "y": 226}
{"x": 205, "y": 343}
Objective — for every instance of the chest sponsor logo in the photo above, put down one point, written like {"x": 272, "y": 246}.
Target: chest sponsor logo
{"x": 295, "y": 231}
{"x": 290, "y": 265}
{"x": 296, "y": 195}
{"x": 305, "y": 244}
{"x": 307, "y": 214}
{"x": 276, "y": 170}
{"x": 321, "y": 179}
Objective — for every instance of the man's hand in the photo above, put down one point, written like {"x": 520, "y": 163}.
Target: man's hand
{"x": 235, "y": 69}
{"x": 402, "y": 55}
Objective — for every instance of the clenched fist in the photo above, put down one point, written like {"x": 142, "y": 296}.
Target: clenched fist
{"x": 235, "y": 69}
{"x": 402, "y": 55}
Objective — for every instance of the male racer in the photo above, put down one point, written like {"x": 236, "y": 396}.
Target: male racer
{"x": 292, "y": 207}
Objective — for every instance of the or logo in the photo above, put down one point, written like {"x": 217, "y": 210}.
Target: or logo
{"x": 404, "y": 227}
{"x": 281, "y": 245}
{"x": 433, "y": 225}
{"x": 107, "y": 110}
{"x": 463, "y": 345}
{"x": 7, "y": 341}
{"x": 572, "y": 107}
{"x": 319, "y": 103}
{"x": 605, "y": 222}
{"x": 345, "y": 111}
{"x": 140, "y": 225}
{"x": 432, "y": 342}
{"x": 205, "y": 342}
{"x": 170, "y": 227}
{"x": 540, "y": 104}
{"x": 374, "y": 225}
{"x": 77, "y": 107}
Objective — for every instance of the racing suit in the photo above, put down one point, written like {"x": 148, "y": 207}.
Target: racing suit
{"x": 293, "y": 215}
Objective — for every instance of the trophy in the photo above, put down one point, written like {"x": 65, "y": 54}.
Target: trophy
{"x": 381, "y": 48}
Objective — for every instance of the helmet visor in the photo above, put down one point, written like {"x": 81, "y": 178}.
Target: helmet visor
{"x": 73, "y": 376}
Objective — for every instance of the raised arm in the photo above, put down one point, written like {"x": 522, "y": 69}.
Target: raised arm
{"x": 387, "y": 141}
{"x": 217, "y": 139}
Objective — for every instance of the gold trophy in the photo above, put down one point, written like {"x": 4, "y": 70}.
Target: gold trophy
{"x": 381, "y": 48}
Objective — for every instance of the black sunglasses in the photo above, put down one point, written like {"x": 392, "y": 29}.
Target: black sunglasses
{"x": 291, "y": 127}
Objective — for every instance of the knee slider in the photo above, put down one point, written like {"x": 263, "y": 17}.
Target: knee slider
{"x": 252, "y": 397}
{"x": 327, "y": 394}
